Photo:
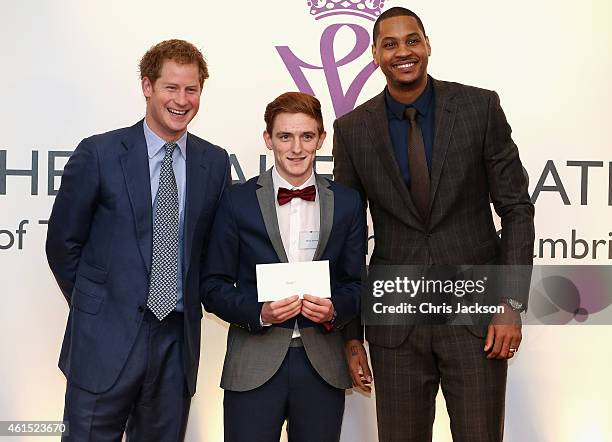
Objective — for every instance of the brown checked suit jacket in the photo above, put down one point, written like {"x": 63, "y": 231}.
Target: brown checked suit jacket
{"x": 474, "y": 162}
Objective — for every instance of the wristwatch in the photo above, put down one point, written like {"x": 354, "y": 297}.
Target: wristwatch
{"x": 334, "y": 316}
{"x": 330, "y": 325}
{"x": 515, "y": 305}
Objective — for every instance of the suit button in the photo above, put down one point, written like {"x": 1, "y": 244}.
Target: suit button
{"x": 141, "y": 309}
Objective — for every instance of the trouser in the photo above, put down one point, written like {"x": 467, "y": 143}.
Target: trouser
{"x": 296, "y": 393}
{"x": 149, "y": 401}
{"x": 407, "y": 378}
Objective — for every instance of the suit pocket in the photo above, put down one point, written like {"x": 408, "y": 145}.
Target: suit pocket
{"x": 487, "y": 252}
{"x": 91, "y": 272}
{"x": 85, "y": 302}
{"x": 89, "y": 290}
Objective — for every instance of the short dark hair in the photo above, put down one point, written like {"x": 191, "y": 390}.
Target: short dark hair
{"x": 396, "y": 11}
{"x": 294, "y": 103}
{"x": 179, "y": 51}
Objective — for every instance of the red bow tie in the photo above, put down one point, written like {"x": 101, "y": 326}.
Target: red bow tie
{"x": 286, "y": 195}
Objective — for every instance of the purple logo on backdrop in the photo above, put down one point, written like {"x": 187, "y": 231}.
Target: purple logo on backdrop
{"x": 566, "y": 293}
{"x": 343, "y": 101}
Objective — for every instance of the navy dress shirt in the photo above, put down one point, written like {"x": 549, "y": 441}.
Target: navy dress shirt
{"x": 399, "y": 126}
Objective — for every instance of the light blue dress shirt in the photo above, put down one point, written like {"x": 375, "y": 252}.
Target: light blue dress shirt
{"x": 155, "y": 148}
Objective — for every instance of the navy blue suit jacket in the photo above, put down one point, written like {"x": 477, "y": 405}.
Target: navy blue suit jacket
{"x": 99, "y": 246}
{"x": 239, "y": 241}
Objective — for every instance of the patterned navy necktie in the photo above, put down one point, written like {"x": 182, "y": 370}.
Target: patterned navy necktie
{"x": 164, "y": 265}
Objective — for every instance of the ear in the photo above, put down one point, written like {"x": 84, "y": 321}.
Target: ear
{"x": 428, "y": 46}
{"x": 374, "y": 54}
{"x": 321, "y": 139}
{"x": 267, "y": 139}
{"x": 147, "y": 87}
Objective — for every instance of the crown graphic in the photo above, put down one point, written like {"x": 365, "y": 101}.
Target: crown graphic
{"x": 369, "y": 9}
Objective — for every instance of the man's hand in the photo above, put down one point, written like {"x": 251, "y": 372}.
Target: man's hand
{"x": 504, "y": 334}
{"x": 279, "y": 311}
{"x": 317, "y": 309}
{"x": 358, "y": 364}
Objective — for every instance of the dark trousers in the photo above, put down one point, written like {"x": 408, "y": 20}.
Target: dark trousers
{"x": 313, "y": 408}
{"x": 407, "y": 380}
{"x": 149, "y": 401}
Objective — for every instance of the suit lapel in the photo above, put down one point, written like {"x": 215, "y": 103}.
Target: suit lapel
{"x": 197, "y": 173}
{"x": 326, "y": 209}
{"x": 378, "y": 128}
{"x": 135, "y": 165}
{"x": 265, "y": 197}
{"x": 444, "y": 113}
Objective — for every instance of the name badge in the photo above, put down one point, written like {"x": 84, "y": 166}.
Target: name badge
{"x": 309, "y": 239}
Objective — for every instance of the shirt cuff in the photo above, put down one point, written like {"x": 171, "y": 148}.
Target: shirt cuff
{"x": 263, "y": 324}
{"x": 329, "y": 325}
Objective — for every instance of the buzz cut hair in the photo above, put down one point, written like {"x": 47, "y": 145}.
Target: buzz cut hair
{"x": 396, "y": 11}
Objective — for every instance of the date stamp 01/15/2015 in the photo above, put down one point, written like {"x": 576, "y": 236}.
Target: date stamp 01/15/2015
{"x": 33, "y": 428}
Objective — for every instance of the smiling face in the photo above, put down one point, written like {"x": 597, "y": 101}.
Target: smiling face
{"x": 294, "y": 140}
{"x": 402, "y": 51}
{"x": 173, "y": 99}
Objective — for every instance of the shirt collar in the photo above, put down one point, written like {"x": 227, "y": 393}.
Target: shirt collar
{"x": 155, "y": 143}
{"x": 279, "y": 181}
{"x": 421, "y": 104}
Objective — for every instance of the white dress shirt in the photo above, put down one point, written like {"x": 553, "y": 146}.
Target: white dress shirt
{"x": 296, "y": 220}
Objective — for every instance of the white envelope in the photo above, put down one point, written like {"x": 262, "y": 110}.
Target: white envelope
{"x": 281, "y": 280}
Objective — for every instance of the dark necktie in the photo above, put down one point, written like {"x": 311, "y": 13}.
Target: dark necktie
{"x": 417, "y": 163}
{"x": 164, "y": 265}
{"x": 286, "y": 195}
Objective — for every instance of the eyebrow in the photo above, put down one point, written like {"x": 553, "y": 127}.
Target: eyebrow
{"x": 291, "y": 133}
{"x": 169, "y": 83}
{"x": 412, "y": 34}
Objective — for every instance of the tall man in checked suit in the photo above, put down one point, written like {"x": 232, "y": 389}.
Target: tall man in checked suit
{"x": 126, "y": 237}
{"x": 285, "y": 359}
{"x": 427, "y": 155}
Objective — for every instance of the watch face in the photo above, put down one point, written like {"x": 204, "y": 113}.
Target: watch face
{"x": 514, "y": 304}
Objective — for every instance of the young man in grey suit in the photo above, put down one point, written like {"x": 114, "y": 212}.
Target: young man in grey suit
{"x": 427, "y": 155}
{"x": 285, "y": 359}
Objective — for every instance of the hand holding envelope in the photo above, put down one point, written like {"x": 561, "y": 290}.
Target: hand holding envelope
{"x": 275, "y": 312}
{"x": 282, "y": 286}
{"x": 317, "y": 309}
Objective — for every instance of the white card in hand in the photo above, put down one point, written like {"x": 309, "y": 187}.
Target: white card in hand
{"x": 282, "y": 280}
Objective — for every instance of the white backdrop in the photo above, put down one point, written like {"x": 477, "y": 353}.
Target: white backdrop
{"x": 69, "y": 69}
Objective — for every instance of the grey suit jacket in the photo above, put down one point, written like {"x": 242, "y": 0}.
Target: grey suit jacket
{"x": 246, "y": 233}
{"x": 474, "y": 162}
